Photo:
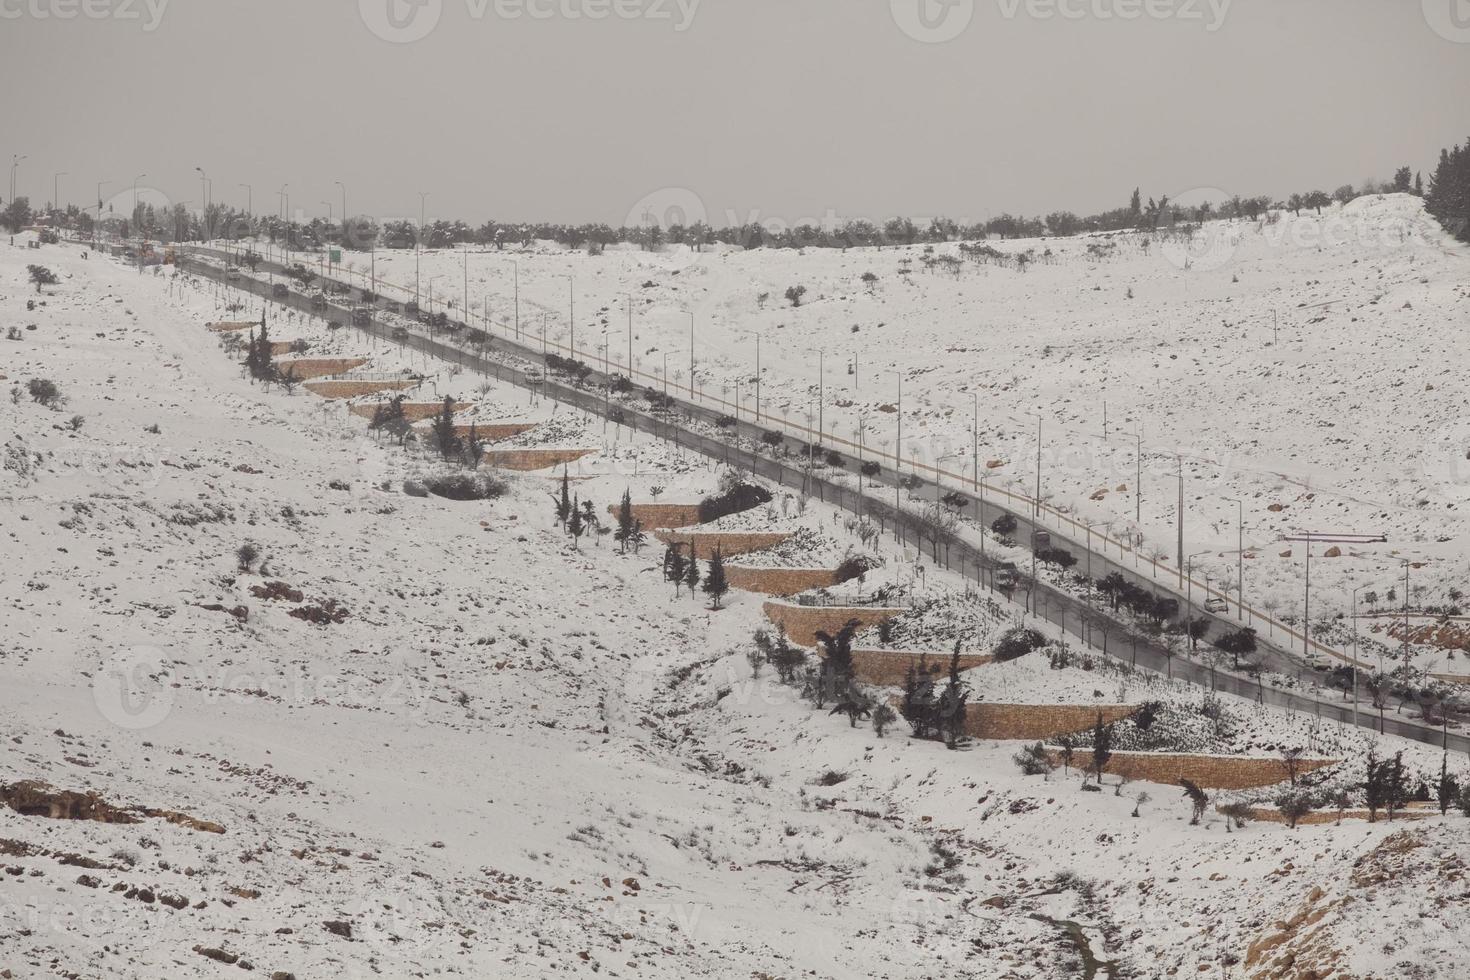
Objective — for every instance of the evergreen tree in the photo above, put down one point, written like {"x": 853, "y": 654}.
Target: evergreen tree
{"x": 691, "y": 571}
{"x": 625, "y": 521}
{"x": 1102, "y": 747}
{"x": 474, "y": 448}
{"x": 1448, "y": 788}
{"x": 952, "y": 702}
{"x": 715, "y": 585}
{"x": 674, "y": 568}
{"x": 443, "y": 432}
{"x": 575, "y": 525}
{"x": 564, "y": 502}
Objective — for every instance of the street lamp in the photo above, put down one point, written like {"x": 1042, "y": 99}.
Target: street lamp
{"x": 418, "y": 248}
{"x": 249, "y": 203}
{"x": 56, "y": 192}
{"x": 15, "y": 160}
{"x": 344, "y": 206}
{"x": 1239, "y": 557}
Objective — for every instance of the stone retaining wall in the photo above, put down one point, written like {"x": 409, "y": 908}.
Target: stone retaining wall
{"x": 412, "y": 411}
{"x": 226, "y": 326}
{"x": 779, "y": 581}
{"x": 307, "y": 368}
{"x": 281, "y": 347}
{"x": 354, "y": 389}
{"x": 802, "y": 622}
{"x": 1034, "y": 722}
{"x": 1205, "y": 771}
{"x": 655, "y": 516}
{"x": 533, "y": 459}
{"x": 1272, "y": 815}
{"x": 887, "y": 668}
{"x": 730, "y": 543}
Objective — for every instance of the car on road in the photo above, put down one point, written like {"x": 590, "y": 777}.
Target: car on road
{"x": 280, "y": 291}
{"x": 1006, "y": 576}
{"x": 362, "y": 317}
{"x": 1040, "y": 540}
{"x": 1215, "y": 604}
{"x": 1317, "y": 660}
{"x": 319, "y": 301}
{"x": 232, "y": 272}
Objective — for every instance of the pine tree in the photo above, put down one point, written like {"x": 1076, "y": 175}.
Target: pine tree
{"x": 564, "y": 502}
{"x": 575, "y": 526}
{"x": 691, "y": 571}
{"x": 443, "y": 432}
{"x": 474, "y": 448}
{"x": 1102, "y": 747}
{"x": 589, "y": 517}
{"x": 715, "y": 585}
{"x": 625, "y": 521}
{"x": 674, "y": 567}
{"x": 952, "y": 702}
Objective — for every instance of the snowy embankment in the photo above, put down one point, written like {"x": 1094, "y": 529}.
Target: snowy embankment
{"x": 440, "y": 738}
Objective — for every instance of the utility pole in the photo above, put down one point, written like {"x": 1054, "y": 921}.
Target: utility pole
{"x": 821, "y": 391}
{"x": 1037, "y": 508}
{"x": 975, "y": 456}
{"x": 1138, "y": 483}
{"x": 691, "y": 354}
{"x": 516, "y": 272}
{"x": 418, "y": 249}
{"x": 56, "y": 192}
{"x": 628, "y": 297}
{"x": 1180, "y": 461}
{"x": 1239, "y": 558}
{"x": 758, "y": 377}
{"x": 572, "y": 318}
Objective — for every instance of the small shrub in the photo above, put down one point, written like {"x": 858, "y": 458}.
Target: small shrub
{"x": 739, "y": 498}
{"x": 1017, "y": 642}
{"x": 1032, "y": 760}
{"x": 465, "y": 486}
{"x": 247, "y": 555}
{"x": 43, "y": 391}
{"x": 1004, "y": 524}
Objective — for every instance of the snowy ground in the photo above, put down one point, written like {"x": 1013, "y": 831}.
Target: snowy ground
{"x": 515, "y": 757}
{"x": 1304, "y": 365}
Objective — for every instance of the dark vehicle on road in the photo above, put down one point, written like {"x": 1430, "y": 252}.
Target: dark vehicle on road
{"x": 1006, "y": 576}
{"x": 362, "y": 317}
{"x": 411, "y": 308}
{"x": 279, "y": 291}
{"x": 319, "y": 302}
{"x": 400, "y": 333}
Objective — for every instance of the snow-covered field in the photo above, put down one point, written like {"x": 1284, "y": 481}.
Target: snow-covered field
{"x": 513, "y": 756}
{"x": 1303, "y": 365}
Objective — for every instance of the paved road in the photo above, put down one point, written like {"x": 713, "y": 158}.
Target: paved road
{"x": 1069, "y": 612}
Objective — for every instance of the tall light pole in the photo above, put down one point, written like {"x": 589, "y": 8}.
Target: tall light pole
{"x": 572, "y": 321}
{"x": 135, "y": 194}
{"x": 344, "y": 207}
{"x": 1355, "y": 653}
{"x": 204, "y": 196}
{"x": 1239, "y": 557}
{"x": 100, "y": 185}
{"x": 1138, "y": 481}
{"x": 249, "y": 202}
{"x": 56, "y": 192}
{"x": 691, "y": 354}
{"x": 418, "y": 248}
{"x": 1180, "y": 516}
{"x": 15, "y": 160}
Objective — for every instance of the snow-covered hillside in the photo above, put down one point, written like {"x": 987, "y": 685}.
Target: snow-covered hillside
{"x": 422, "y": 737}
{"x": 1302, "y": 364}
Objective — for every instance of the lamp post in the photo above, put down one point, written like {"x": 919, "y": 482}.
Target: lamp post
{"x": 1189, "y": 575}
{"x": 418, "y": 248}
{"x": 100, "y": 185}
{"x": 1355, "y": 653}
{"x": 1239, "y": 557}
{"x": 249, "y": 200}
{"x": 344, "y": 208}
{"x": 572, "y": 317}
{"x": 15, "y": 160}
{"x": 56, "y": 192}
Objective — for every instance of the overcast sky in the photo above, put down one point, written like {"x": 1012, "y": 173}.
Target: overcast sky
{"x": 760, "y": 108}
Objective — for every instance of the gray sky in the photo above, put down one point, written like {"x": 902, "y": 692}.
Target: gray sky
{"x": 761, "y": 108}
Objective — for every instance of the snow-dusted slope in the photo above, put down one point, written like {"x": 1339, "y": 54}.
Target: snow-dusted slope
{"x": 511, "y": 757}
